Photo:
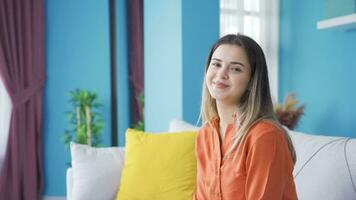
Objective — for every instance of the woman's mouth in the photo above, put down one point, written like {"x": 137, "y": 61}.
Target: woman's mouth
{"x": 220, "y": 85}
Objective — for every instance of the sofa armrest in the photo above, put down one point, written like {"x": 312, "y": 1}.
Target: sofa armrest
{"x": 69, "y": 183}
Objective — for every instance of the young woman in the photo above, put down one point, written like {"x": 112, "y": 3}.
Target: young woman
{"x": 242, "y": 151}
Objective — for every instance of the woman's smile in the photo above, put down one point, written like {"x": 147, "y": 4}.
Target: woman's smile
{"x": 220, "y": 85}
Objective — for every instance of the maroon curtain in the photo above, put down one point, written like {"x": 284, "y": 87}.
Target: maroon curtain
{"x": 22, "y": 70}
{"x": 135, "y": 53}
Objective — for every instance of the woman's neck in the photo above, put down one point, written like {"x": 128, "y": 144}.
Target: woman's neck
{"x": 227, "y": 115}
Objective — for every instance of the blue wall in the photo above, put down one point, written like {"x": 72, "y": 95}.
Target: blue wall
{"x": 78, "y": 56}
{"x": 320, "y": 66}
{"x": 177, "y": 36}
{"x": 162, "y": 63}
{"x": 200, "y": 31}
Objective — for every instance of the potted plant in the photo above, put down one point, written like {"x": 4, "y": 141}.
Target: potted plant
{"x": 140, "y": 125}
{"x": 287, "y": 113}
{"x": 86, "y": 122}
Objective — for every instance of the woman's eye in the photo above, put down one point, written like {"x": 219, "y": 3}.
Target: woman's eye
{"x": 216, "y": 64}
{"x": 235, "y": 69}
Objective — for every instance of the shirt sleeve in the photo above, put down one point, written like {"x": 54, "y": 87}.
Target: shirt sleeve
{"x": 267, "y": 167}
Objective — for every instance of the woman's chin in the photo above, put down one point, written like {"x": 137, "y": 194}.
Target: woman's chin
{"x": 220, "y": 98}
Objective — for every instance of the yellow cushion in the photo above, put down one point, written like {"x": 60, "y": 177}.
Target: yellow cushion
{"x": 158, "y": 166}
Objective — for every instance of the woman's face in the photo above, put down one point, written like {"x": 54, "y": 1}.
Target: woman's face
{"x": 228, "y": 74}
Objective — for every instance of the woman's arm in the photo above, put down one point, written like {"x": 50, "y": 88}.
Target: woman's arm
{"x": 268, "y": 167}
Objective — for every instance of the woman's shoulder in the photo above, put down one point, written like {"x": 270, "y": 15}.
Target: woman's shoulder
{"x": 265, "y": 128}
{"x": 207, "y": 128}
{"x": 210, "y": 124}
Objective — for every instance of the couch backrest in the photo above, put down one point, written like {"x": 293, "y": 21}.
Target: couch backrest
{"x": 325, "y": 168}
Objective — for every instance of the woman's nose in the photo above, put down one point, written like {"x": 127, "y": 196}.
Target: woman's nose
{"x": 223, "y": 73}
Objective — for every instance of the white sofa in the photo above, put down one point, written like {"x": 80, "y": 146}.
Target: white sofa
{"x": 325, "y": 168}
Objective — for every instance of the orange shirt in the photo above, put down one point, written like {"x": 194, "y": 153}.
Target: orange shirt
{"x": 262, "y": 170}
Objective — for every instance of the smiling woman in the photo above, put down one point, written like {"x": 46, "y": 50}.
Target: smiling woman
{"x": 5, "y": 107}
{"x": 242, "y": 151}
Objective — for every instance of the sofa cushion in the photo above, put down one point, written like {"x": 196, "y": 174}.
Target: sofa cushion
{"x": 176, "y": 125}
{"x": 158, "y": 166}
{"x": 325, "y": 168}
{"x": 96, "y": 172}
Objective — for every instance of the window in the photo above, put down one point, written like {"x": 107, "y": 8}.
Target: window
{"x": 5, "y": 113}
{"x": 259, "y": 20}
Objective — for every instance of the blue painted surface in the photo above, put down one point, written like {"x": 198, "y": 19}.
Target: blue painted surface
{"x": 162, "y": 63}
{"x": 122, "y": 72}
{"x": 200, "y": 31}
{"x": 335, "y": 8}
{"x": 178, "y": 35}
{"x": 78, "y": 56}
{"x": 320, "y": 66}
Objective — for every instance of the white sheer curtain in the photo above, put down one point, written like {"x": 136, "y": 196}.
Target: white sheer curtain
{"x": 5, "y": 112}
{"x": 258, "y": 19}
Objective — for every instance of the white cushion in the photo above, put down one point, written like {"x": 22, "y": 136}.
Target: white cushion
{"x": 96, "y": 172}
{"x": 177, "y": 125}
{"x": 325, "y": 168}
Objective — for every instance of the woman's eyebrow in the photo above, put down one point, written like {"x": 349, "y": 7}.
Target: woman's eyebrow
{"x": 233, "y": 62}
{"x": 217, "y": 59}
{"x": 237, "y": 63}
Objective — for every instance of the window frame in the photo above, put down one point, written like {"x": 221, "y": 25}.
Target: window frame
{"x": 268, "y": 32}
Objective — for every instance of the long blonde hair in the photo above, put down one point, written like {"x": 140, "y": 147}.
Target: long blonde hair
{"x": 255, "y": 104}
